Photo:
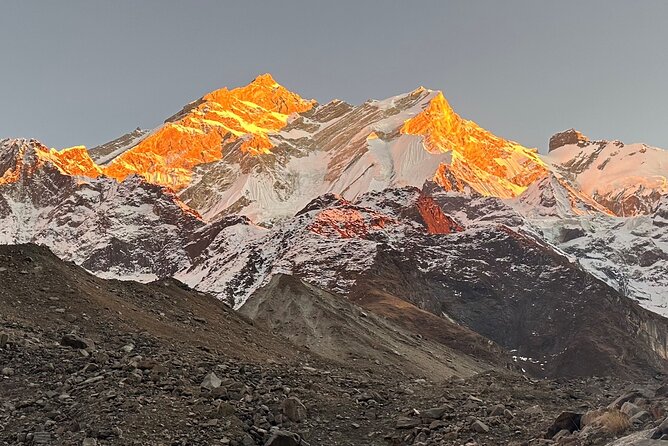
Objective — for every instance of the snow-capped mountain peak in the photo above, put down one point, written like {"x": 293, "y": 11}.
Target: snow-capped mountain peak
{"x": 627, "y": 179}
{"x": 276, "y": 177}
{"x": 20, "y": 156}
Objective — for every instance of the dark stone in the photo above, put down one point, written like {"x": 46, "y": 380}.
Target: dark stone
{"x": 570, "y": 136}
{"x": 285, "y": 438}
{"x": 660, "y": 431}
{"x": 407, "y": 423}
{"x": 435, "y": 413}
{"x": 74, "y": 341}
{"x": 569, "y": 421}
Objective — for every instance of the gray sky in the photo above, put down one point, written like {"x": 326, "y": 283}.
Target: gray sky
{"x": 83, "y": 72}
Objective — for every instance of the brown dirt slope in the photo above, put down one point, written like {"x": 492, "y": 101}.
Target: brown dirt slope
{"x": 333, "y": 327}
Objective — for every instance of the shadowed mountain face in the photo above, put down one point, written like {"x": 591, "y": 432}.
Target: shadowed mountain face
{"x": 519, "y": 293}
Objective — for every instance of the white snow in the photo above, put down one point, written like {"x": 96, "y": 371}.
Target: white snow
{"x": 612, "y": 169}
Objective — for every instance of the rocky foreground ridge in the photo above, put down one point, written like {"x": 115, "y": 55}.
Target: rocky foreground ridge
{"x": 87, "y": 361}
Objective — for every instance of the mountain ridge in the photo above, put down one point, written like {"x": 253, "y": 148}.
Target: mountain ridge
{"x": 226, "y": 154}
{"x": 463, "y": 225}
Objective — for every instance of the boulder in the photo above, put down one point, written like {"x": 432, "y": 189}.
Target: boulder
{"x": 534, "y": 410}
{"x": 407, "y": 423}
{"x": 497, "y": 410}
{"x": 74, "y": 341}
{"x": 225, "y": 409}
{"x": 569, "y": 421}
{"x": 285, "y": 438}
{"x": 437, "y": 424}
{"x": 294, "y": 409}
{"x": 661, "y": 430}
{"x": 435, "y": 413}
{"x": 211, "y": 381}
{"x": 628, "y": 396}
{"x": 630, "y": 409}
{"x": 661, "y": 391}
{"x": 479, "y": 426}
{"x": 641, "y": 417}
{"x": 594, "y": 434}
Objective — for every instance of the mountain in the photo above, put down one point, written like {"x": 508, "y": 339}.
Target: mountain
{"x": 628, "y": 179}
{"x": 265, "y": 152}
{"x": 407, "y": 210}
{"x": 59, "y": 199}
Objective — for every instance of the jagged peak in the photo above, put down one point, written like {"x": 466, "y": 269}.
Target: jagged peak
{"x": 553, "y": 195}
{"x": 421, "y": 91}
{"x": 195, "y": 135}
{"x": 21, "y": 155}
{"x": 438, "y": 107}
{"x": 265, "y": 79}
{"x": 322, "y": 202}
{"x": 265, "y": 93}
{"x": 439, "y": 100}
{"x": 7, "y": 143}
{"x": 570, "y": 136}
{"x": 574, "y": 137}
{"x": 489, "y": 164}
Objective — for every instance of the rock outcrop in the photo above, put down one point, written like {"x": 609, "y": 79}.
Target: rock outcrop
{"x": 570, "y": 136}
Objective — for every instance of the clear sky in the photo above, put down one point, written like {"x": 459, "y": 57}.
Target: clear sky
{"x": 84, "y": 72}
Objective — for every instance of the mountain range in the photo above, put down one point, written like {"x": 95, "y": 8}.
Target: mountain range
{"x": 400, "y": 206}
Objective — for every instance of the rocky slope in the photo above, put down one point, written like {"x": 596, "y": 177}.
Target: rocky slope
{"x": 332, "y": 327}
{"x": 89, "y": 361}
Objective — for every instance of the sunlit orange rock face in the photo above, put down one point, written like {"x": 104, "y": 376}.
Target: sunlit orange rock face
{"x": 248, "y": 113}
{"x": 73, "y": 161}
{"x": 348, "y": 222}
{"x": 434, "y": 218}
{"x": 489, "y": 164}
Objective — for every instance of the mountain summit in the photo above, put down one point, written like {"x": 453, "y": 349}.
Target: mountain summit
{"x": 263, "y": 151}
{"x": 481, "y": 160}
{"x": 197, "y": 133}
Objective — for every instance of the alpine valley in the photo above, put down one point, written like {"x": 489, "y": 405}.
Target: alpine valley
{"x": 392, "y": 238}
